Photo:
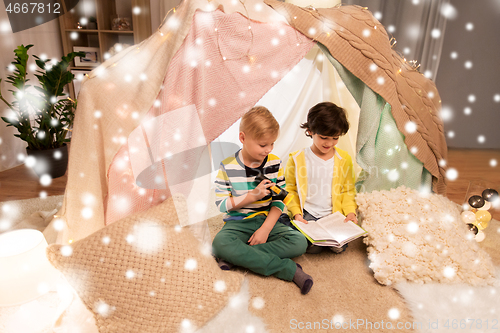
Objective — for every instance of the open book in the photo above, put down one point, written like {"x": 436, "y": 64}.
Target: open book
{"x": 330, "y": 230}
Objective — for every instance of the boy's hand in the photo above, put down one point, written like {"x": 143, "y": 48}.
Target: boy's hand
{"x": 351, "y": 217}
{"x": 259, "y": 236}
{"x": 299, "y": 217}
{"x": 262, "y": 189}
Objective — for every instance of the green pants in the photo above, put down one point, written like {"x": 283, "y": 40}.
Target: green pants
{"x": 270, "y": 258}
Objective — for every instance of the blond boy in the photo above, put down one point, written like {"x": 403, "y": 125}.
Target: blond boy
{"x": 251, "y": 238}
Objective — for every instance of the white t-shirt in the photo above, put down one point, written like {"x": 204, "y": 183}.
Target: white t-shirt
{"x": 319, "y": 184}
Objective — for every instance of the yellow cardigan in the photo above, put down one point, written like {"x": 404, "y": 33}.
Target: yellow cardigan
{"x": 343, "y": 190}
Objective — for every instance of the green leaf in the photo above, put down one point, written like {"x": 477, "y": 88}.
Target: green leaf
{"x": 10, "y": 121}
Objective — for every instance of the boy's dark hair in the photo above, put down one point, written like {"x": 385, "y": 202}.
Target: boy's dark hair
{"x": 326, "y": 119}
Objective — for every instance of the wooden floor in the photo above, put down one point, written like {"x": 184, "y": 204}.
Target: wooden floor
{"x": 21, "y": 183}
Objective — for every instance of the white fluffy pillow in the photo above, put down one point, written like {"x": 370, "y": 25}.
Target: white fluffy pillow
{"x": 420, "y": 238}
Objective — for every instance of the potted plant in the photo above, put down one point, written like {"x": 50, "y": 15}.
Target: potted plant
{"x": 42, "y": 115}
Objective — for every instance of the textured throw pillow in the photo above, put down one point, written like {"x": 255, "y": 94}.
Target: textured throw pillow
{"x": 145, "y": 273}
{"x": 420, "y": 238}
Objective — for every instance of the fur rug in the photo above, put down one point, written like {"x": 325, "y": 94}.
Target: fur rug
{"x": 420, "y": 237}
{"x": 459, "y": 307}
{"x": 454, "y": 307}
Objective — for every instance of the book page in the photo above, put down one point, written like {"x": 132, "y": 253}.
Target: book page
{"x": 313, "y": 230}
{"x": 340, "y": 231}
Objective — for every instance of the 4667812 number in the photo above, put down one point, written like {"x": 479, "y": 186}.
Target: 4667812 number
{"x": 33, "y": 7}
{"x": 471, "y": 323}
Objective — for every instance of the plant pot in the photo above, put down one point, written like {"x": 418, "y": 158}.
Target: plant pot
{"x": 52, "y": 162}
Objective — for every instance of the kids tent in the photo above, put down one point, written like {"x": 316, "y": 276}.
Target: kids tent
{"x": 146, "y": 117}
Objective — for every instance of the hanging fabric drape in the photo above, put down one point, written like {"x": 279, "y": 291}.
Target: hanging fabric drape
{"x": 417, "y": 26}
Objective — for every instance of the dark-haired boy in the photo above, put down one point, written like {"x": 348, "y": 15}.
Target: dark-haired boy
{"x": 321, "y": 177}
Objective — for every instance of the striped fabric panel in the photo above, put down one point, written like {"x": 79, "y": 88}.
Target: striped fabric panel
{"x": 234, "y": 179}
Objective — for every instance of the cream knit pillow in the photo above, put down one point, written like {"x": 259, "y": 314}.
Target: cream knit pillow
{"x": 420, "y": 238}
{"x": 145, "y": 273}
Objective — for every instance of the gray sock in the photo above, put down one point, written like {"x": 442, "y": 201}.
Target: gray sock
{"x": 224, "y": 265}
{"x": 303, "y": 280}
{"x": 314, "y": 249}
{"x": 338, "y": 249}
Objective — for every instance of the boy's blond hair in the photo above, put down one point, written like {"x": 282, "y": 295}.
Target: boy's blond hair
{"x": 258, "y": 122}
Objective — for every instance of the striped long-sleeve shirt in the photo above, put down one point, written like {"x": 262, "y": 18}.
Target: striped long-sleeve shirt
{"x": 235, "y": 179}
